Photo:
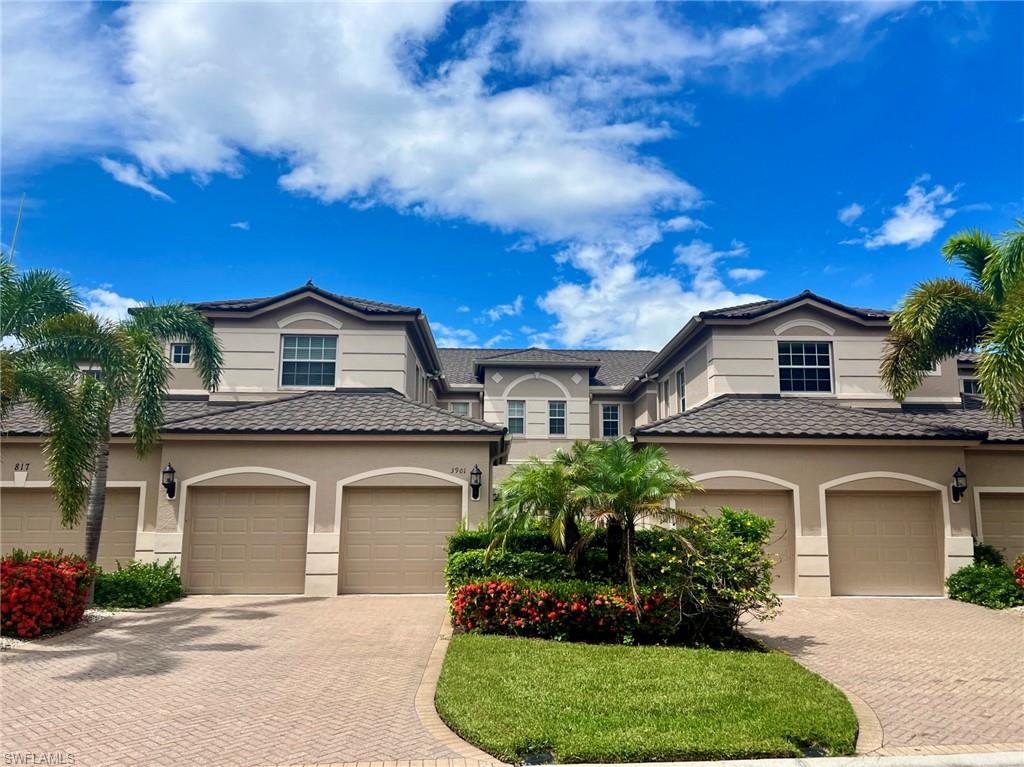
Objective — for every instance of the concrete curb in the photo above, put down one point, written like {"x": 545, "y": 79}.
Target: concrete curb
{"x": 1002, "y": 759}
{"x": 870, "y": 734}
{"x": 426, "y": 711}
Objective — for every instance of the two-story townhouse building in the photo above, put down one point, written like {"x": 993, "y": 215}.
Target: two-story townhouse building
{"x": 343, "y": 447}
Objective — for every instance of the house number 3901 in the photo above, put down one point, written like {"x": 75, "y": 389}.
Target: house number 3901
{"x": 458, "y": 469}
{"x": 21, "y": 467}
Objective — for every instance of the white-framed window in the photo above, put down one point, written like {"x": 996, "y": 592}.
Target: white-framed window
{"x": 663, "y": 399}
{"x": 556, "y": 416}
{"x": 459, "y": 408}
{"x": 516, "y": 416}
{"x": 308, "y": 361}
{"x": 181, "y": 354}
{"x": 805, "y": 366}
{"x": 610, "y": 421}
{"x": 970, "y": 386}
{"x": 681, "y": 390}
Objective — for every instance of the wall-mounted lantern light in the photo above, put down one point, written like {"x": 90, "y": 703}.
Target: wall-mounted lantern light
{"x": 167, "y": 480}
{"x": 959, "y": 486}
{"x": 474, "y": 482}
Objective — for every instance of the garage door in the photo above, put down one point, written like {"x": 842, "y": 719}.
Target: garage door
{"x": 1002, "y": 522}
{"x": 246, "y": 540}
{"x": 30, "y": 520}
{"x": 885, "y": 544}
{"x": 394, "y": 539}
{"x": 773, "y": 505}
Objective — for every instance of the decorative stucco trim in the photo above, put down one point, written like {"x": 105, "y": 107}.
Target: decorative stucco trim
{"x": 794, "y": 488}
{"x": 826, "y": 486}
{"x": 462, "y": 484}
{"x": 298, "y": 316}
{"x": 977, "y": 503}
{"x": 528, "y": 376}
{"x": 805, "y": 323}
{"x": 186, "y": 484}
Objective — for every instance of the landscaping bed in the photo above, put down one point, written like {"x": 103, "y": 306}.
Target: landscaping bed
{"x": 531, "y": 699}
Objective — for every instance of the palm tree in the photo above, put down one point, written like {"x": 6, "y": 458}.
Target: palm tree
{"x": 624, "y": 487}
{"x": 98, "y": 365}
{"x": 54, "y": 389}
{"x": 538, "y": 490}
{"x": 944, "y": 317}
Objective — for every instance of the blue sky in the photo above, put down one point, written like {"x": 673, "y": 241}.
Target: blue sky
{"x": 561, "y": 175}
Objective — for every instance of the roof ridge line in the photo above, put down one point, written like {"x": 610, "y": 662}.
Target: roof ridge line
{"x": 246, "y": 406}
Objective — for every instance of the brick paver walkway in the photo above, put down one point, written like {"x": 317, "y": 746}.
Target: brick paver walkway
{"x": 230, "y": 681}
{"x": 934, "y": 671}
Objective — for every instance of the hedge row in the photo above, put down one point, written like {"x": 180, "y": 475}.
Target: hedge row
{"x": 43, "y": 592}
{"x": 565, "y": 610}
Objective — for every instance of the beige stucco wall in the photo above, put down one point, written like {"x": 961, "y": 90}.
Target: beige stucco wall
{"x": 536, "y": 387}
{"x": 322, "y": 463}
{"x": 806, "y": 467}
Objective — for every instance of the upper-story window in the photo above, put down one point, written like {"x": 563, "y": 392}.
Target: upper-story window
{"x": 610, "y": 426}
{"x": 308, "y": 360}
{"x": 516, "y": 416}
{"x": 805, "y": 366}
{"x": 681, "y": 390}
{"x": 556, "y": 417}
{"x": 970, "y": 386}
{"x": 459, "y": 408}
{"x": 181, "y": 354}
{"x": 663, "y": 399}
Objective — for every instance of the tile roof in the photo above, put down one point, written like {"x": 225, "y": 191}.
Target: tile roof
{"x": 534, "y": 354}
{"x": 359, "y": 304}
{"x": 758, "y": 308}
{"x": 735, "y": 415}
{"x": 970, "y": 418}
{"x": 616, "y": 367}
{"x": 363, "y": 411}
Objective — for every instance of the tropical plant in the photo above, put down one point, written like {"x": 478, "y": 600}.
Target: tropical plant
{"x": 545, "y": 491}
{"x": 944, "y": 317}
{"x": 55, "y": 390}
{"x": 97, "y": 366}
{"x": 624, "y": 487}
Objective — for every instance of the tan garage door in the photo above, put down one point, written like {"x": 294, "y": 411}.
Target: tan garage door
{"x": 1002, "y": 522}
{"x": 30, "y": 520}
{"x": 774, "y": 505}
{"x": 885, "y": 544}
{"x": 394, "y": 539}
{"x": 246, "y": 540}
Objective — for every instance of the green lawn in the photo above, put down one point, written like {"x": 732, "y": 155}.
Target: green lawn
{"x": 609, "y": 703}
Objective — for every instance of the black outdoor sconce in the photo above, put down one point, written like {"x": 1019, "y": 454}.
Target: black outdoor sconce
{"x": 167, "y": 480}
{"x": 474, "y": 482}
{"x": 959, "y": 486}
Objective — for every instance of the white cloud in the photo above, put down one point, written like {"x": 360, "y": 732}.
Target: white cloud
{"x": 243, "y": 225}
{"x": 513, "y": 309}
{"x": 683, "y": 224}
{"x": 463, "y": 309}
{"x": 496, "y": 340}
{"x": 917, "y": 220}
{"x": 106, "y": 304}
{"x": 447, "y": 336}
{"x": 130, "y": 175}
{"x": 850, "y": 213}
{"x": 746, "y": 275}
{"x": 702, "y": 259}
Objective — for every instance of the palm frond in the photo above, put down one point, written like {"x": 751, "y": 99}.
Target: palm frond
{"x": 1001, "y": 362}
{"x": 29, "y": 298}
{"x": 178, "y": 322}
{"x": 972, "y": 249}
{"x": 1006, "y": 269}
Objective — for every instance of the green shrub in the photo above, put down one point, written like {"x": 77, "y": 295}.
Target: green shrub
{"x": 139, "y": 585}
{"x": 987, "y": 585}
{"x": 475, "y": 565}
{"x": 984, "y": 554}
{"x": 468, "y": 540}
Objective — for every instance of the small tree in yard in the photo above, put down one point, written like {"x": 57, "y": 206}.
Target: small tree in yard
{"x": 126, "y": 366}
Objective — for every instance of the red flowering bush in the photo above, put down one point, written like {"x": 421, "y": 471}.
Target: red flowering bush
{"x": 570, "y": 611}
{"x": 41, "y": 592}
{"x": 1018, "y": 571}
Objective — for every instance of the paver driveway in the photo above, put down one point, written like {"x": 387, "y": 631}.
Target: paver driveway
{"x": 935, "y": 672}
{"x": 230, "y": 681}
